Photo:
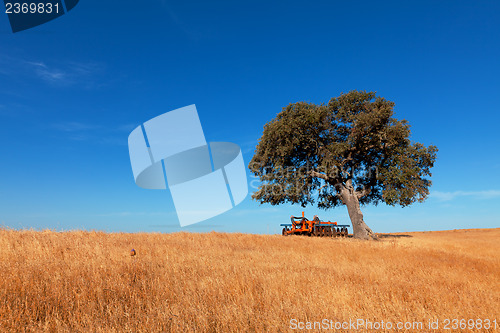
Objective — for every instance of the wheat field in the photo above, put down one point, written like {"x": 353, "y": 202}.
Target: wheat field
{"x": 218, "y": 282}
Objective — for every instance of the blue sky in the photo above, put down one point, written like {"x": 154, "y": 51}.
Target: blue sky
{"x": 72, "y": 90}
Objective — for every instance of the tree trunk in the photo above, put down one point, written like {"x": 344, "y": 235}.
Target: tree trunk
{"x": 359, "y": 227}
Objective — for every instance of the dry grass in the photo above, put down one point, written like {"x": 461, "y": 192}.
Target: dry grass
{"x": 183, "y": 282}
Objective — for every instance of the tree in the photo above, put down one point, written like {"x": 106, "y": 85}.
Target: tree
{"x": 349, "y": 152}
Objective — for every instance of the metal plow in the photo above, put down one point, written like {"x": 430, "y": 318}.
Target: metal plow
{"x": 315, "y": 227}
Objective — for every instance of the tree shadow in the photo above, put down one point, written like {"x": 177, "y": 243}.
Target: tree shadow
{"x": 393, "y": 236}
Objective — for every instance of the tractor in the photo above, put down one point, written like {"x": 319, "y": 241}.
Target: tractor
{"x": 315, "y": 227}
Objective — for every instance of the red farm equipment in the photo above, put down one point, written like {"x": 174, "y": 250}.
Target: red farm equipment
{"x": 315, "y": 227}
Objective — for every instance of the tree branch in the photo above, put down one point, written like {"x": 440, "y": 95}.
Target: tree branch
{"x": 334, "y": 181}
{"x": 363, "y": 193}
{"x": 319, "y": 175}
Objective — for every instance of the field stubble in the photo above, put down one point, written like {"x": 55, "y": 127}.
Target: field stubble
{"x": 215, "y": 282}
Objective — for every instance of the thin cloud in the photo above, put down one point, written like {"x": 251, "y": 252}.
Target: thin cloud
{"x": 80, "y": 131}
{"x": 180, "y": 23}
{"x": 74, "y": 126}
{"x": 86, "y": 69}
{"x": 124, "y": 214}
{"x": 248, "y": 146}
{"x": 196, "y": 226}
{"x": 13, "y": 110}
{"x": 61, "y": 73}
{"x": 448, "y": 196}
{"x": 96, "y": 133}
{"x": 67, "y": 73}
{"x": 49, "y": 74}
{"x": 126, "y": 127}
{"x": 202, "y": 226}
{"x": 164, "y": 226}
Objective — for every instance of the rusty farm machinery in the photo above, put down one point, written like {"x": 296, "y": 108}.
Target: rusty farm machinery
{"x": 315, "y": 227}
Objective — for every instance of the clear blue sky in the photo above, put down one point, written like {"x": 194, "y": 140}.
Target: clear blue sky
{"x": 71, "y": 91}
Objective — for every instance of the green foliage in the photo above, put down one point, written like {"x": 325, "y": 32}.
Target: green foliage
{"x": 309, "y": 153}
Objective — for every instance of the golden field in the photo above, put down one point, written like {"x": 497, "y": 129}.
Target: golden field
{"x": 215, "y": 282}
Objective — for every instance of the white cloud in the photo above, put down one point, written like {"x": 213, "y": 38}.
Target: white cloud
{"x": 447, "y": 196}
{"x": 56, "y": 72}
{"x": 49, "y": 74}
{"x": 68, "y": 73}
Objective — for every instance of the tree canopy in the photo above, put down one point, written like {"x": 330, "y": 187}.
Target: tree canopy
{"x": 350, "y": 151}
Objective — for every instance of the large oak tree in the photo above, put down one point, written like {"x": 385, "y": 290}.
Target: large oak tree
{"x": 349, "y": 152}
